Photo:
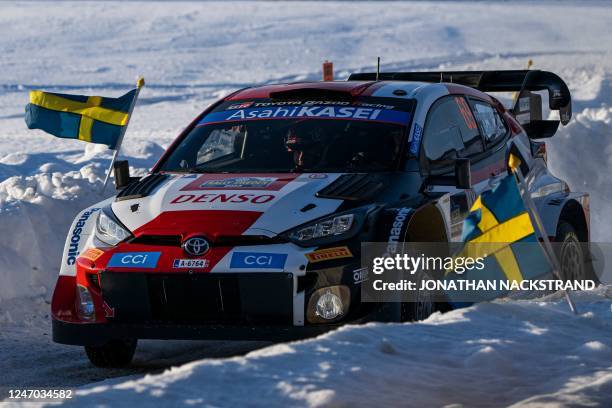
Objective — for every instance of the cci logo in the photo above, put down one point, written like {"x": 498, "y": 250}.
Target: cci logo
{"x": 258, "y": 260}
{"x": 134, "y": 260}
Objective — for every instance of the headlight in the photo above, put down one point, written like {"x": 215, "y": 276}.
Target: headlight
{"x": 334, "y": 228}
{"x": 328, "y": 304}
{"x": 109, "y": 230}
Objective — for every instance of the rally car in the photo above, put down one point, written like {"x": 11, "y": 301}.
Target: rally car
{"x": 250, "y": 224}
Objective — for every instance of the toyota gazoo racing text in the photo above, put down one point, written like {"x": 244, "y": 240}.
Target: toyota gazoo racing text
{"x": 250, "y": 225}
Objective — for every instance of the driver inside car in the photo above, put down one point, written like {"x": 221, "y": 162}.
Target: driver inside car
{"x": 308, "y": 143}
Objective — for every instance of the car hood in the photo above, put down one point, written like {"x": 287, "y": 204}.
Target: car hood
{"x": 226, "y": 204}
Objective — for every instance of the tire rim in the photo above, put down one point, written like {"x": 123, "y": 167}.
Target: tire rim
{"x": 571, "y": 260}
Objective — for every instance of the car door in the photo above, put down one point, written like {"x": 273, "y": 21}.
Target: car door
{"x": 451, "y": 132}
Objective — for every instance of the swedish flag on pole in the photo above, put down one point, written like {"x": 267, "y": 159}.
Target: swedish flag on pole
{"x": 93, "y": 119}
{"x": 499, "y": 229}
{"x": 498, "y": 222}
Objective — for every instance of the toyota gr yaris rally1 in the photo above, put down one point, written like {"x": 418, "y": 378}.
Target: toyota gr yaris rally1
{"x": 250, "y": 225}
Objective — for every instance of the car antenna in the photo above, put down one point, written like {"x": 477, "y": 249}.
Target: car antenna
{"x": 378, "y": 68}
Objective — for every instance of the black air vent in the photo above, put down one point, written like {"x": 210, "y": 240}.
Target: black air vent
{"x": 259, "y": 298}
{"x": 304, "y": 93}
{"x": 354, "y": 187}
{"x": 220, "y": 298}
{"x": 141, "y": 188}
{"x": 220, "y": 241}
{"x": 157, "y": 240}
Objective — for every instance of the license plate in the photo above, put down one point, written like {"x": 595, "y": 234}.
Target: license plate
{"x": 190, "y": 263}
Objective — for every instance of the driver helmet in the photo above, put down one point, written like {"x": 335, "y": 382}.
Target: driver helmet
{"x": 306, "y": 140}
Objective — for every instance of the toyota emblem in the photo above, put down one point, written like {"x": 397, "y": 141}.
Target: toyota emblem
{"x": 196, "y": 246}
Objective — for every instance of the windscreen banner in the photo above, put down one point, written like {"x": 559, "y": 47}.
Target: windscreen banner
{"x": 309, "y": 109}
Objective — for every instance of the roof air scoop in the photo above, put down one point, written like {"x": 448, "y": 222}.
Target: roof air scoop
{"x": 320, "y": 93}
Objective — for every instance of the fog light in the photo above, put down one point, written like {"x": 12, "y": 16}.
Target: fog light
{"x": 328, "y": 304}
{"x": 84, "y": 303}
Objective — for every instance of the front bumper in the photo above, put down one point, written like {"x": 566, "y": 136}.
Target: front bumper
{"x": 268, "y": 306}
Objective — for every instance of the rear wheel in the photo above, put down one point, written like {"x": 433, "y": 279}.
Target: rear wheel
{"x": 115, "y": 353}
{"x": 571, "y": 254}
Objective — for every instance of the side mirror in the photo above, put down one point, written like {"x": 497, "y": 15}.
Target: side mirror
{"x": 463, "y": 174}
{"x": 121, "y": 169}
{"x": 462, "y": 178}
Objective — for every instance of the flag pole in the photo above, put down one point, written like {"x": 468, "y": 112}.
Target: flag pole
{"x": 139, "y": 85}
{"x": 514, "y": 164}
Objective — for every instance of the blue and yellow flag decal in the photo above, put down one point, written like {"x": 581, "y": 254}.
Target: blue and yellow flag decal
{"x": 93, "y": 119}
{"x": 500, "y": 230}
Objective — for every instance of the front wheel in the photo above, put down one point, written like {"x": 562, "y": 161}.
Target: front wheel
{"x": 114, "y": 354}
{"x": 421, "y": 308}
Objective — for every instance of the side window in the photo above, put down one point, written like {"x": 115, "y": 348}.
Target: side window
{"x": 492, "y": 125}
{"x": 451, "y": 131}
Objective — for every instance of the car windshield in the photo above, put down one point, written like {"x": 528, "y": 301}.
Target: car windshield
{"x": 294, "y": 136}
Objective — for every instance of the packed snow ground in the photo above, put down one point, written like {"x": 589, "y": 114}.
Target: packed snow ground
{"x": 495, "y": 354}
{"x": 191, "y": 54}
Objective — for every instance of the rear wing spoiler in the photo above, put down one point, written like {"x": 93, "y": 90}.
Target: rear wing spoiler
{"x": 527, "y": 108}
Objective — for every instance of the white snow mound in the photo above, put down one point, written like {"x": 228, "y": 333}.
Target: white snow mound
{"x": 492, "y": 354}
{"x": 39, "y": 198}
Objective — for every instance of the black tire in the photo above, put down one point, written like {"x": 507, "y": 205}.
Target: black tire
{"x": 416, "y": 311}
{"x": 422, "y": 307}
{"x": 114, "y": 354}
{"x": 571, "y": 253}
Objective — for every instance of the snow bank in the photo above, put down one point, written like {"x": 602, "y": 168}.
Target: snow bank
{"x": 493, "y": 354}
{"x": 40, "y": 194}
{"x": 581, "y": 154}
{"x": 35, "y": 212}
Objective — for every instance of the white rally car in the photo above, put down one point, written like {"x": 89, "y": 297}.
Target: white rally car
{"x": 250, "y": 224}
